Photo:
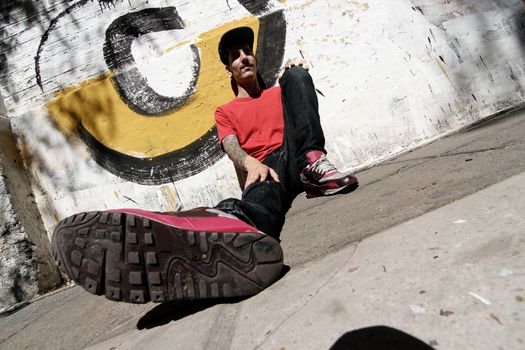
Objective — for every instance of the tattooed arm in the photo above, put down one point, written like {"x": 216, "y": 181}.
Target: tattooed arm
{"x": 256, "y": 171}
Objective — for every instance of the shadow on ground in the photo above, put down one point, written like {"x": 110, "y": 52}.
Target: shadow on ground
{"x": 379, "y": 337}
{"x": 176, "y": 310}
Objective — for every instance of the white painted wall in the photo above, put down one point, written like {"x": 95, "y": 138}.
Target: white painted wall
{"x": 27, "y": 267}
{"x": 393, "y": 75}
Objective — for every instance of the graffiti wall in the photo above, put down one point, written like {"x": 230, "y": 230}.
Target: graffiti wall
{"x": 112, "y": 101}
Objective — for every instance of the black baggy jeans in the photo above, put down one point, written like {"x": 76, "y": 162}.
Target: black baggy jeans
{"x": 264, "y": 204}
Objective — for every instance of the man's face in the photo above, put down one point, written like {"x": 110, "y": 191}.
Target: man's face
{"x": 243, "y": 64}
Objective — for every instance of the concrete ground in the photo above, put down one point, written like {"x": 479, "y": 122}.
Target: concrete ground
{"x": 430, "y": 244}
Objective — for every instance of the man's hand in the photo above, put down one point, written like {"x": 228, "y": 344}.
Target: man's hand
{"x": 257, "y": 171}
{"x": 299, "y": 62}
{"x": 295, "y": 62}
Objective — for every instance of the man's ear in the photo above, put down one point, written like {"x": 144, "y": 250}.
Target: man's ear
{"x": 229, "y": 71}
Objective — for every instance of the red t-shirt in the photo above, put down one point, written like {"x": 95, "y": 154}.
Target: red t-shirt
{"x": 257, "y": 122}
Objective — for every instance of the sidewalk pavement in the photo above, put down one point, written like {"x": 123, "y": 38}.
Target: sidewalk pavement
{"x": 453, "y": 277}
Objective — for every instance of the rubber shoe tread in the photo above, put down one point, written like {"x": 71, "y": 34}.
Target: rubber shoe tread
{"x": 133, "y": 259}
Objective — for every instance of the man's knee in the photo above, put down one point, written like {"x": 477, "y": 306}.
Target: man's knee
{"x": 296, "y": 75}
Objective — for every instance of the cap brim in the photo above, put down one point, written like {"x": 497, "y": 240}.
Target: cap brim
{"x": 237, "y": 35}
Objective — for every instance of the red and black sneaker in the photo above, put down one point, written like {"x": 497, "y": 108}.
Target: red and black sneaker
{"x": 321, "y": 178}
{"x": 136, "y": 256}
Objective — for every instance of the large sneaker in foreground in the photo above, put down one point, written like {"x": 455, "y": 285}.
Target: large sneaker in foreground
{"x": 136, "y": 256}
{"x": 321, "y": 178}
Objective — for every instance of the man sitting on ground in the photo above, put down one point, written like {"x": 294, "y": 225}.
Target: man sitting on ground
{"x": 274, "y": 137}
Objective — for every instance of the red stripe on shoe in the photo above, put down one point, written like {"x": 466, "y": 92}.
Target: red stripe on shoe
{"x": 222, "y": 222}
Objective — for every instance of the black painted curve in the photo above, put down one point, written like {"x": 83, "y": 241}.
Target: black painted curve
{"x": 270, "y": 45}
{"x": 45, "y": 36}
{"x": 255, "y": 7}
{"x": 169, "y": 167}
{"x": 134, "y": 90}
{"x": 131, "y": 85}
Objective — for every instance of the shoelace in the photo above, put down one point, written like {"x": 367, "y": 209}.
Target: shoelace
{"x": 321, "y": 167}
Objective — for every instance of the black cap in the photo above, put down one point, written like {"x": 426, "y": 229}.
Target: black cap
{"x": 237, "y": 35}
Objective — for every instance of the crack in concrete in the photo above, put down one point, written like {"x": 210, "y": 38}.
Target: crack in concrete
{"x": 21, "y": 329}
{"x": 310, "y": 297}
{"x": 35, "y": 321}
{"x": 447, "y": 154}
{"x": 221, "y": 337}
{"x": 426, "y": 159}
{"x": 96, "y": 339}
{"x": 400, "y": 170}
{"x": 481, "y": 150}
{"x": 321, "y": 203}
